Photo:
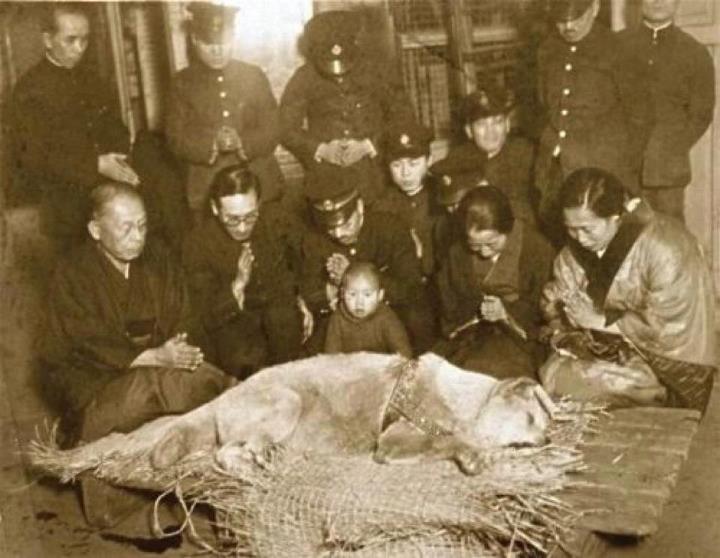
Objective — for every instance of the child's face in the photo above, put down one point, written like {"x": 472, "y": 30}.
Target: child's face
{"x": 408, "y": 173}
{"x": 490, "y": 133}
{"x": 361, "y": 296}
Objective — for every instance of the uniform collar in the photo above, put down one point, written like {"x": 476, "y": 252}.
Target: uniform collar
{"x": 657, "y": 32}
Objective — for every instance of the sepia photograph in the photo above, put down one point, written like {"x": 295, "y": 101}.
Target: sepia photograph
{"x": 360, "y": 278}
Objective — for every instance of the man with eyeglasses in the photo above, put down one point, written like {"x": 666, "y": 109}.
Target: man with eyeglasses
{"x": 240, "y": 267}
{"x": 221, "y": 111}
{"x": 344, "y": 230}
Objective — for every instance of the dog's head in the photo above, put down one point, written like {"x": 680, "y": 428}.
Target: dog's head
{"x": 517, "y": 413}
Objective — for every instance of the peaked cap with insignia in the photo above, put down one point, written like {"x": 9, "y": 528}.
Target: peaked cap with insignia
{"x": 210, "y": 22}
{"x": 489, "y": 99}
{"x": 406, "y": 138}
{"x": 332, "y": 191}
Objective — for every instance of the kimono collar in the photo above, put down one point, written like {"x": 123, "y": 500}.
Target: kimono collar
{"x": 601, "y": 271}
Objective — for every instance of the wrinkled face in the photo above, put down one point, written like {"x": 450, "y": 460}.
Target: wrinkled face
{"x": 238, "y": 213}
{"x": 120, "y": 228}
{"x": 659, "y": 12}
{"x": 361, "y": 296}
{"x": 513, "y": 417}
{"x": 408, "y": 173}
{"x": 348, "y": 231}
{"x": 592, "y": 232}
{"x": 214, "y": 55}
{"x": 486, "y": 243}
{"x": 576, "y": 30}
{"x": 490, "y": 133}
{"x": 67, "y": 45}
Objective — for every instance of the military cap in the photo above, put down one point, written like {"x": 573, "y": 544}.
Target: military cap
{"x": 330, "y": 41}
{"x": 487, "y": 100}
{"x": 454, "y": 176}
{"x": 406, "y": 138}
{"x": 332, "y": 191}
{"x": 210, "y": 22}
{"x": 568, "y": 10}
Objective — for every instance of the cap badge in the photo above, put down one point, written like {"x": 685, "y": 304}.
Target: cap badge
{"x": 328, "y": 205}
{"x": 446, "y": 180}
{"x": 484, "y": 101}
{"x": 336, "y": 50}
{"x": 404, "y": 139}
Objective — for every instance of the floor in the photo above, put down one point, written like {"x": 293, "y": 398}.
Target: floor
{"x": 41, "y": 519}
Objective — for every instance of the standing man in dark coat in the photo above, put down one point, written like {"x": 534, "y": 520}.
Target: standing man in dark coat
{"x": 681, "y": 82}
{"x": 221, "y": 111}
{"x": 587, "y": 94}
{"x": 119, "y": 349}
{"x": 334, "y": 108}
{"x": 238, "y": 263}
{"x": 66, "y": 134}
{"x": 344, "y": 231}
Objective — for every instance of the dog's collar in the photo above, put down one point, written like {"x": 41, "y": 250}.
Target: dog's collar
{"x": 408, "y": 400}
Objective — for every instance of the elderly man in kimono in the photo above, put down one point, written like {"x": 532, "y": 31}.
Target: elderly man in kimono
{"x": 119, "y": 349}
{"x": 636, "y": 290}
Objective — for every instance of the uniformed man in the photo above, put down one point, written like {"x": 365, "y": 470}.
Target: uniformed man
{"x": 344, "y": 96}
{"x": 587, "y": 95}
{"x": 242, "y": 283}
{"x": 500, "y": 159}
{"x": 66, "y": 135}
{"x": 452, "y": 178}
{"x": 344, "y": 230}
{"x": 681, "y": 82}
{"x": 407, "y": 154}
{"x": 221, "y": 111}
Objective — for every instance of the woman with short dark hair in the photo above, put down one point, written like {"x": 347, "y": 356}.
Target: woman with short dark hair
{"x": 635, "y": 293}
{"x": 490, "y": 286}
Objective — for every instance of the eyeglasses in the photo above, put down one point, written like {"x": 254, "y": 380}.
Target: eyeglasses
{"x": 237, "y": 220}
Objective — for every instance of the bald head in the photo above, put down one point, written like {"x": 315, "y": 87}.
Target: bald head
{"x": 104, "y": 195}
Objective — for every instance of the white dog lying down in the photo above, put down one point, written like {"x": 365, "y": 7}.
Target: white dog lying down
{"x": 364, "y": 402}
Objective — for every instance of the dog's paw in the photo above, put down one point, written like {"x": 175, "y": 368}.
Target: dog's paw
{"x": 469, "y": 461}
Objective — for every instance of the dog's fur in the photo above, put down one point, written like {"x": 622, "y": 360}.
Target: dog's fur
{"x": 337, "y": 403}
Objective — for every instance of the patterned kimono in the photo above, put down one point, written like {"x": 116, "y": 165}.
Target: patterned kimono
{"x": 653, "y": 283}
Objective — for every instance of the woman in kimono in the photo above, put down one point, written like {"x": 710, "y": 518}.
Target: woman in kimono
{"x": 490, "y": 285}
{"x": 636, "y": 294}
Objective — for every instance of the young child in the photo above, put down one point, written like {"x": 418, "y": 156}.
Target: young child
{"x": 407, "y": 155}
{"x": 362, "y": 322}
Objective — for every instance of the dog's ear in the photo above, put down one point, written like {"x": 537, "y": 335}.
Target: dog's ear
{"x": 515, "y": 387}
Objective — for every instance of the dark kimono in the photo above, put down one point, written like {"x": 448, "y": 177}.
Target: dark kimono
{"x": 99, "y": 323}
{"x": 268, "y": 329}
{"x": 517, "y": 278}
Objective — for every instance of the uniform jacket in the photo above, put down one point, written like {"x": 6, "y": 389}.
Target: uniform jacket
{"x": 356, "y": 107}
{"x": 383, "y": 241}
{"x": 210, "y": 259}
{"x": 60, "y": 121}
{"x": 681, "y": 83}
{"x": 417, "y": 213}
{"x": 510, "y": 170}
{"x": 86, "y": 342}
{"x": 202, "y": 100}
{"x": 652, "y": 281}
{"x": 518, "y": 277}
{"x": 383, "y": 332}
{"x": 593, "y": 107}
